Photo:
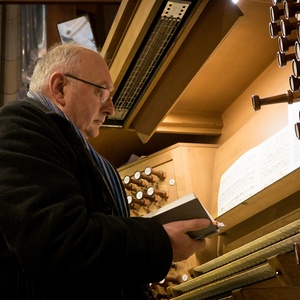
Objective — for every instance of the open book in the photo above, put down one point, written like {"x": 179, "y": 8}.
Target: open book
{"x": 185, "y": 208}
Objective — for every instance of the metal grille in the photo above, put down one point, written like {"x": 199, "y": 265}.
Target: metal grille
{"x": 148, "y": 58}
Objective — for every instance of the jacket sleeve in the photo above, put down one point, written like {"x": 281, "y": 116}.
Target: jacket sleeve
{"x": 45, "y": 219}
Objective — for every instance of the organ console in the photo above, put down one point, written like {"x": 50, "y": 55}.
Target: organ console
{"x": 255, "y": 253}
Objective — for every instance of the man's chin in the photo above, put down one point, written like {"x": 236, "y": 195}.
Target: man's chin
{"x": 92, "y": 133}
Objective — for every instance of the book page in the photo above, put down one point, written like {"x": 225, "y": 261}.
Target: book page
{"x": 238, "y": 182}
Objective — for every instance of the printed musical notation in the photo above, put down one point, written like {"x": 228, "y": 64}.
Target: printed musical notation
{"x": 261, "y": 166}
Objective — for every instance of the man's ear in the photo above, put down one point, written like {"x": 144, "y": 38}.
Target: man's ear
{"x": 56, "y": 84}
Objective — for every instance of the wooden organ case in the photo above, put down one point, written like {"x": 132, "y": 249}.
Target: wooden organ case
{"x": 256, "y": 254}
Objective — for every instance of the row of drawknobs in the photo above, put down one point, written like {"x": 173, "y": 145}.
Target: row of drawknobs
{"x": 143, "y": 192}
{"x": 286, "y": 26}
{"x": 143, "y": 189}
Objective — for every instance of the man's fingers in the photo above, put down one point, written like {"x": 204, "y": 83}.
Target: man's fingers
{"x": 193, "y": 224}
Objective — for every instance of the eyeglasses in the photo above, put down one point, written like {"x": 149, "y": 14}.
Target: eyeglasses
{"x": 103, "y": 97}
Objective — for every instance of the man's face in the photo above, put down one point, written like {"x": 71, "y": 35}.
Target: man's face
{"x": 83, "y": 101}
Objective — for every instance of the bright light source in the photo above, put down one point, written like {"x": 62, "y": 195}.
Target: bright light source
{"x": 235, "y": 1}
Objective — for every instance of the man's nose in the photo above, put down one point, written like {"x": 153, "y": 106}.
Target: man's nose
{"x": 109, "y": 105}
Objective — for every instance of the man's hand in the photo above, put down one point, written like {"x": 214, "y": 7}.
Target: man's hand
{"x": 183, "y": 246}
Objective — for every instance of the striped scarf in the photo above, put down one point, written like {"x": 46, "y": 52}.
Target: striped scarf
{"x": 109, "y": 174}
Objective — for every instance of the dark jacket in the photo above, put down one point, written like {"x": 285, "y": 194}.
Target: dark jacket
{"x": 60, "y": 236}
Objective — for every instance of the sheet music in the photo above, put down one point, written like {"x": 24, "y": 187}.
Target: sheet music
{"x": 239, "y": 182}
{"x": 262, "y": 165}
{"x": 293, "y": 115}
